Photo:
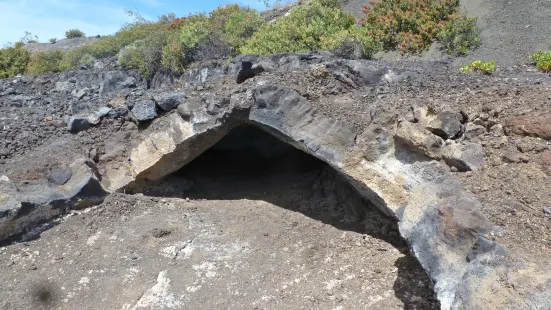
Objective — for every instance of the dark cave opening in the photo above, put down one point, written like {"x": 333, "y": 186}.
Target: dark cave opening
{"x": 249, "y": 163}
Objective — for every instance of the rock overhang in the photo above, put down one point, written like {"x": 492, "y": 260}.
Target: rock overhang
{"x": 436, "y": 215}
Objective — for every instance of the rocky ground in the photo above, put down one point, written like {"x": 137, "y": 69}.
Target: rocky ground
{"x": 62, "y": 44}
{"x": 287, "y": 241}
{"x": 506, "y": 116}
{"x": 296, "y": 235}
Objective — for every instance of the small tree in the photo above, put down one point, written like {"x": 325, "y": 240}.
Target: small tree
{"x": 74, "y": 33}
{"x": 29, "y": 38}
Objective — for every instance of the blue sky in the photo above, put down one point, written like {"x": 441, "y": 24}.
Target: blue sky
{"x": 51, "y": 18}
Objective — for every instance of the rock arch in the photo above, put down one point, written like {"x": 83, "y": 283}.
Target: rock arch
{"x": 439, "y": 219}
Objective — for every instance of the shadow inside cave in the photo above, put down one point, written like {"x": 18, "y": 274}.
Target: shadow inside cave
{"x": 249, "y": 163}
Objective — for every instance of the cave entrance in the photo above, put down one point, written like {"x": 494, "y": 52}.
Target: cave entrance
{"x": 249, "y": 163}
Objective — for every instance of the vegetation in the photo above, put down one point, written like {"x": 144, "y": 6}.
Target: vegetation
{"x": 45, "y": 62}
{"x": 542, "y": 60}
{"x": 13, "y": 60}
{"x": 74, "y": 33}
{"x": 319, "y": 26}
{"x": 171, "y": 43}
{"x": 144, "y": 55}
{"x": 175, "y": 42}
{"x": 53, "y": 40}
{"x": 485, "y": 67}
{"x": 459, "y": 35}
{"x": 412, "y": 25}
{"x": 28, "y": 38}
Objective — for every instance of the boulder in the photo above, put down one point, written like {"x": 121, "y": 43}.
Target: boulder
{"x": 446, "y": 124}
{"x": 420, "y": 139}
{"x": 115, "y": 81}
{"x": 117, "y": 102}
{"x": 144, "y": 110}
{"x": 535, "y": 124}
{"x": 169, "y": 101}
{"x": 60, "y": 175}
{"x": 78, "y": 123}
{"x": 98, "y": 115}
{"x": 473, "y": 131}
{"x": 250, "y": 67}
{"x": 28, "y": 196}
{"x": 465, "y": 156}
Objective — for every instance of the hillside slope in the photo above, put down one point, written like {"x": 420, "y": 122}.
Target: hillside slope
{"x": 510, "y": 30}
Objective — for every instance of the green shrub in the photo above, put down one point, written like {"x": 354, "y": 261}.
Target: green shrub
{"x": 194, "y": 30}
{"x": 319, "y": 26}
{"x": 13, "y": 60}
{"x": 74, "y": 58}
{"x": 145, "y": 55}
{"x": 45, "y": 62}
{"x": 234, "y": 24}
{"x": 110, "y": 45}
{"x": 74, "y": 33}
{"x": 53, "y": 40}
{"x": 485, "y": 67}
{"x": 459, "y": 36}
{"x": 351, "y": 43}
{"x": 542, "y": 60}
{"x": 412, "y": 25}
{"x": 220, "y": 34}
{"x": 173, "y": 53}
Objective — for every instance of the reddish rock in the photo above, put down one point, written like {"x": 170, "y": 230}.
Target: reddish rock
{"x": 536, "y": 124}
{"x": 546, "y": 160}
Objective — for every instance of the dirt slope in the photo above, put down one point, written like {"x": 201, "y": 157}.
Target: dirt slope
{"x": 510, "y": 30}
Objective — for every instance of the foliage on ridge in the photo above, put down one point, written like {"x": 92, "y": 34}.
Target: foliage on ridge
{"x": 171, "y": 43}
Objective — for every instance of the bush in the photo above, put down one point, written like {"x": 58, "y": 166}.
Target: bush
{"x": 45, "y": 62}
{"x": 194, "y": 30}
{"x": 459, "y": 36}
{"x": 412, "y": 25}
{"x": 75, "y": 58}
{"x": 353, "y": 43}
{"x": 234, "y": 25}
{"x": 110, "y": 45}
{"x": 145, "y": 55}
{"x": 319, "y": 26}
{"x": 74, "y": 33}
{"x": 13, "y": 60}
{"x": 542, "y": 60}
{"x": 220, "y": 34}
{"x": 173, "y": 53}
{"x": 29, "y": 38}
{"x": 53, "y": 40}
{"x": 485, "y": 67}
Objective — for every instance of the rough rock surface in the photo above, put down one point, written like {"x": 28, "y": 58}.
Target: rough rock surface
{"x": 536, "y": 124}
{"x": 145, "y": 110}
{"x": 349, "y": 114}
{"x": 446, "y": 124}
{"x": 170, "y": 101}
